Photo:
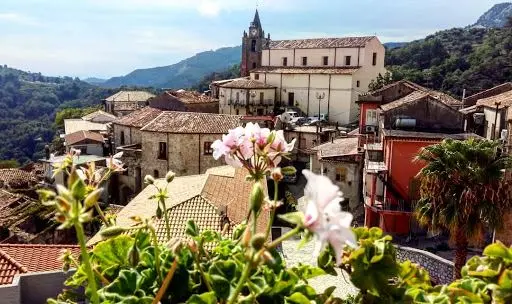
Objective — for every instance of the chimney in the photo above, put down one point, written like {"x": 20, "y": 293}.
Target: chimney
{"x": 46, "y": 152}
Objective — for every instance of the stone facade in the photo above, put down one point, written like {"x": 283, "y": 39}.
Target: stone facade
{"x": 440, "y": 270}
{"x": 252, "y": 46}
{"x": 126, "y": 135}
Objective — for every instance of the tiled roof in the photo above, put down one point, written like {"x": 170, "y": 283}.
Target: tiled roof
{"x": 470, "y": 110}
{"x": 130, "y": 96}
{"x": 17, "y": 178}
{"x": 320, "y": 43}
{"x": 505, "y": 100}
{"x": 339, "y": 147}
{"x": 193, "y": 123}
{"x": 414, "y": 96}
{"x": 205, "y": 215}
{"x": 307, "y": 70}
{"x": 190, "y": 96}
{"x": 22, "y": 258}
{"x": 247, "y": 84}
{"x": 427, "y": 135}
{"x": 80, "y": 136}
{"x": 234, "y": 194}
{"x": 224, "y": 81}
{"x": 75, "y": 125}
{"x": 8, "y": 198}
{"x": 504, "y": 87}
{"x": 138, "y": 118}
{"x": 99, "y": 116}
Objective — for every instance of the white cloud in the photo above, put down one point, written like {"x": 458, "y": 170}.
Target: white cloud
{"x": 209, "y": 8}
{"x": 11, "y": 17}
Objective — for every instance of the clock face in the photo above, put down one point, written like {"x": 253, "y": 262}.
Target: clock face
{"x": 254, "y": 32}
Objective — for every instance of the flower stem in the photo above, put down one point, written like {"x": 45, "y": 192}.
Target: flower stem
{"x": 166, "y": 218}
{"x": 101, "y": 214}
{"x": 241, "y": 283}
{"x": 206, "y": 282}
{"x": 157, "y": 252}
{"x": 87, "y": 263}
{"x": 283, "y": 237}
{"x": 166, "y": 282}
{"x": 273, "y": 212}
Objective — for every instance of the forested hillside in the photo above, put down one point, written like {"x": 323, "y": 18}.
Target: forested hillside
{"x": 453, "y": 60}
{"x": 28, "y": 103}
{"x": 204, "y": 84}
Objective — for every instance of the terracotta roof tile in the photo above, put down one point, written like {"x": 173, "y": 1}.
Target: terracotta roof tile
{"x": 86, "y": 136}
{"x": 504, "y": 87}
{"x": 306, "y": 70}
{"x": 23, "y": 258}
{"x": 247, "y": 84}
{"x": 17, "y": 178}
{"x": 130, "y": 96}
{"x": 427, "y": 135}
{"x": 192, "y": 123}
{"x": 414, "y": 96}
{"x": 138, "y": 118}
{"x": 505, "y": 100}
{"x": 339, "y": 147}
{"x": 74, "y": 125}
{"x": 190, "y": 97}
{"x": 317, "y": 43}
{"x": 100, "y": 115}
{"x": 204, "y": 214}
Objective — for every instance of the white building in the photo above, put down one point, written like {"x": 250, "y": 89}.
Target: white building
{"x": 246, "y": 97}
{"x": 332, "y": 70}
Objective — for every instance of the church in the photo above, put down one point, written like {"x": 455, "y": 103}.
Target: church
{"x": 321, "y": 75}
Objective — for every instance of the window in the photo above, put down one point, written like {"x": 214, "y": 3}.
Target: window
{"x": 326, "y": 60}
{"x": 341, "y": 174}
{"x": 285, "y": 61}
{"x": 262, "y": 95}
{"x": 371, "y": 117}
{"x": 155, "y": 174}
{"x": 237, "y": 112}
{"x": 254, "y": 65}
{"x": 208, "y": 150}
{"x": 253, "y": 45}
{"x": 347, "y": 60}
{"x": 122, "y": 138}
{"x": 291, "y": 99}
{"x": 374, "y": 59}
{"x": 304, "y": 60}
{"x": 358, "y": 83}
{"x": 162, "y": 150}
{"x": 257, "y": 76}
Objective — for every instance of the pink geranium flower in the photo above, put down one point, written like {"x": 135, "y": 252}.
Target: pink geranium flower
{"x": 324, "y": 217}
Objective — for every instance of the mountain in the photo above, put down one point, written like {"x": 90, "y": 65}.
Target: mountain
{"x": 183, "y": 74}
{"x": 94, "y": 80}
{"x": 497, "y": 16}
{"x": 28, "y": 103}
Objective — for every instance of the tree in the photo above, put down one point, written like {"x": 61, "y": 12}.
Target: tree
{"x": 380, "y": 81}
{"x": 463, "y": 190}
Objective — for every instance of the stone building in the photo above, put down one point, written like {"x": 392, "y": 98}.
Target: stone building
{"x": 181, "y": 142}
{"x": 87, "y": 142}
{"x": 246, "y": 97}
{"x": 125, "y": 102}
{"x": 341, "y": 161}
{"x": 185, "y": 101}
{"x": 252, "y": 45}
{"x": 306, "y": 138}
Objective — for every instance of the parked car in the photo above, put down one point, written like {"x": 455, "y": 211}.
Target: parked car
{"x": 323, "y": 117}
{"x": 299, "y": 121}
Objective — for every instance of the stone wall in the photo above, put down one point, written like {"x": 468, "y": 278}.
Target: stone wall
{"x": 440, "y": 270}
{"x": 132, "y": 135}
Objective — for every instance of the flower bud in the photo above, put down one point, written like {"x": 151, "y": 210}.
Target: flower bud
{"x": 60, "y": 218}
{"x": 267, "y": 257}
{"x": 193, "y": 246}
{"x": 170, "y": 176}
{"x": 246, "y": 237}
{"x": 112, "y": 231}
{"x": 256, "y": 198}
{"x": 134, "y": 255}
{"x": 148, "y": 179}
{"x": 276, "y": 174}
{"x": 257, "y": 241}
{"x": 158, "y": 212}
{"x": 65, "y": 266}
{"x": 93, "y": 198}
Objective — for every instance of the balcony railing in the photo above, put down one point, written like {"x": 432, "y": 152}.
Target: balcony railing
{"x": 256, "y": 102}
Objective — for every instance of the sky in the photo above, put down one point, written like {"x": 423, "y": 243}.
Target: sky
{"x": 106, "y": 38}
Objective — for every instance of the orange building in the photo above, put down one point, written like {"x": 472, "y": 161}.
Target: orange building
{"x": 396, "y": 122}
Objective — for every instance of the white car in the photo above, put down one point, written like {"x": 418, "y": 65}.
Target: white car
{"x": 295, "y": 116}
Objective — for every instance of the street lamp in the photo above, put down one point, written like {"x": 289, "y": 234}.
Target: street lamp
{"x": 320, "y": 96}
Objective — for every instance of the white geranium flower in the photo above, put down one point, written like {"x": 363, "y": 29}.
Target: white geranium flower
{"x": 324, "y": 217}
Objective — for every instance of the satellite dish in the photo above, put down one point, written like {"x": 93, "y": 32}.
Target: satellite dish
{"x": 285, "y": 117}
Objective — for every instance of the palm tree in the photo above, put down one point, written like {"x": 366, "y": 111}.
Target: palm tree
{"x": 463, "y": 190}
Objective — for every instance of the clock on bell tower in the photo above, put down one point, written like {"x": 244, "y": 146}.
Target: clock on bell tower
{"x": 252, "y": 45}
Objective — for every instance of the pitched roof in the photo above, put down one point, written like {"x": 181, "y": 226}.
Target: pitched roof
{"x": 190, "y": 97}
{"x": 204, "y": 214}
{"x": 307, "y": 70}
{"x": 138, "y": 119}
{"x": 247, "y": 84}
{"x": 414, "y": 96}
{"x": 427, "y": 135}
{"x": 99, "y": 116}
{"x": 193, "y": 123}
{"x": 504, "y": 100}
{"x": 130, "y": 96}
{"x": 17, "y": 178}
{"x": 223, "y": 81}
{"x": 75, "y": 125}
{"x": 80, "y": 136}
{"x": 22, "y": 258}
{"x": 504, "y": 87}
{"x": 320, "y": 43}
{"x": 339, "y": 147}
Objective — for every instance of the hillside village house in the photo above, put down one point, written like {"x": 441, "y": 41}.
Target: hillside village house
{"x": 215, "y": 86}
{"x": 185, "y": 101}
{"x": 87, "y": 142}
{"x": 246, "y": 97}
{"x": 396, "y": 122}
{"x": 306, "y": 138}
{"x": 125, "y": 102}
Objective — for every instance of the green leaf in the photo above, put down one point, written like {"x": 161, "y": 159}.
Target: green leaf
{"x": 204, "y": 298}
{"x": 192, "y": 229}
{"x": 498, "y": 250}
{"x": 220, "y": 285}
{"x": 111, "y": 255}
{"x": 289, "y": 170}
{"x": 296, "y": 218}
{"x": 79, "y": 189}
{"x": 297, "y": 298}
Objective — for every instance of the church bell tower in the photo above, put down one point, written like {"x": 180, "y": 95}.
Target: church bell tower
{"x": 252, "y": 45}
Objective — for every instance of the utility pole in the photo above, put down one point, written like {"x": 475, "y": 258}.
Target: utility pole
{"x": 320, "y": 96}
{"x": 495, "y": 119}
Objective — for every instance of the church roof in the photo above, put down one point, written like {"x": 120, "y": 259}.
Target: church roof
{"x": 256, "y": 22}
{"x": 247, "y": 84}
{"x": 321, "y": 43}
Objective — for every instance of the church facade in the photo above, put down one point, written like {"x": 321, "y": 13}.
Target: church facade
{"x": 320, "y": 76}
